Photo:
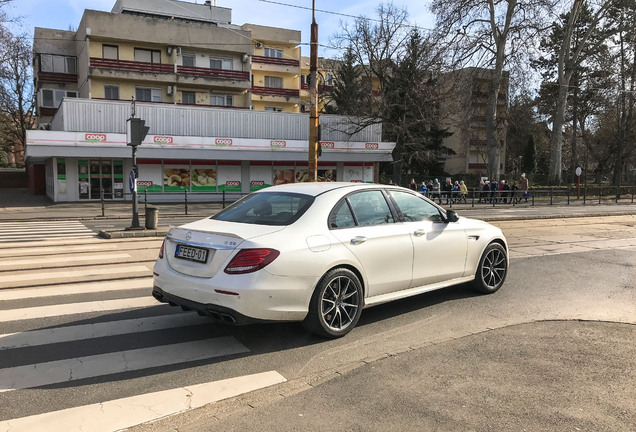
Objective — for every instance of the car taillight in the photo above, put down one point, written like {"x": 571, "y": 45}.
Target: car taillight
{"x": 250, "y": 260}
{"x": 161, "y": 249}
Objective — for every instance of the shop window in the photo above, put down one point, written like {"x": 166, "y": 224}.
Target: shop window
{"x": 273, "y": 82}
{"x": 111, "y": 92}
{"x": 274, "y": 109}
{"x": 58, "y": 64}
{"x": 147, "y": 56}
{"x": 110, "y": 52}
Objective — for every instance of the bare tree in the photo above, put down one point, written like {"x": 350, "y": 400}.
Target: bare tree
{"x": 490, "y": 34}
{"x": 16, "y": 92}
{"x": 569, "y": 54}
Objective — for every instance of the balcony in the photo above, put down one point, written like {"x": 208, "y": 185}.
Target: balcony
{"x": 272, "y": 91}
{"x": 131, "y": 65}
{"x": 213, "y": 73}
{"x": 275, "y": 61}
{"x": 54, "y": 77}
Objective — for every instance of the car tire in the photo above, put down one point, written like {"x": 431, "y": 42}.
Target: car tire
{"x": 336, "y": 304}
{"x": 492, "y": 269}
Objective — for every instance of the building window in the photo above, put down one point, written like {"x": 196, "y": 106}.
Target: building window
{"x": 147, "y": 56}
{"x": 111, "y": 91}
{"x": 188, "y": 97}
{"x": 273, "y": 52}
{"x": 220, "y": 63}
{"x": 221, "y": 100}
{"x": 53, "y": 98}
{"x": 188, "y": 59}
{"x": 147, "y": 94}
{"x": 110, "y": 52}
{"x": 274, "y": 82}
{"x": 58, "y": 64}
{"x": 329, "y": 79}
{"x": 274, "y": 109}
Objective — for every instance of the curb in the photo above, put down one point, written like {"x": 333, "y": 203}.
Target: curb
{"x": 132, "y": 233}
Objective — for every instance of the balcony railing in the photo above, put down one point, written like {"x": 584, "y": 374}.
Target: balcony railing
{"x": 321, "y": 88}
{"x": 213, "y": 73}
{"x": 55, "y": 77}
{"x": 275, "y": 61}
{"x": 131, "y": 65}
{"x": 272, "y": 91}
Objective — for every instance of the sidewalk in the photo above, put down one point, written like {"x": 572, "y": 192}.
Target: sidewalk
{"x": 22, "y": 205}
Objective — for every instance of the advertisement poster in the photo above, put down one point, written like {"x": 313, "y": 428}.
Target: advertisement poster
{"x": 327, "y": 175}
{"x": 203, "y": 179}
{"x": 260, "y": 177}
{"x": 150, "y": 179}
{"x": 176, "y": 179}
{"x": 229, "y": 178}
{"x": 302, "y": 175}
{"x": 353, "y": 174}
{"x": 283, "y": 175}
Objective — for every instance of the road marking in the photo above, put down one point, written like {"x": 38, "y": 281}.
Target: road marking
{"x": 75, "y": 288}
{"x": 127, "y": 412}
{"x": 77, "y": 308}
{"x": 41, "y": 374}
{"x": 35, "y": 231}
{"x": 99, "y": 271}
{"x": 64, "y": 259}
{"x": 103, "y": 329}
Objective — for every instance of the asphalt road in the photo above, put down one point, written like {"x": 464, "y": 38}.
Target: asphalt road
{"x": 552, "y": 350}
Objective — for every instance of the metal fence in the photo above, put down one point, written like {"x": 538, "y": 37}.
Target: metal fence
{"x": 536, "y": 197}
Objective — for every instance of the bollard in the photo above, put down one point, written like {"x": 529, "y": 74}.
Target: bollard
{"x": 152, "y": 217}
{"x": 223, "y": 198}
{"x": 186, "y": 200}
{"x": 145, "y": 201}
{"x": 101, "y": 198}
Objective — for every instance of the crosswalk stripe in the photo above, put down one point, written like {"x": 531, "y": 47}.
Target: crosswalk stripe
{"x": 40, "y": 374}
{"x": 103, "y": 329}
{"x": 63, "y": 259}
{"x": 127, "y": 412}
{"x": 76, "y": 288}
{"x": 99, "y": 271}
{"x": 77, "y": 308}
{"x": 33, "y": 231}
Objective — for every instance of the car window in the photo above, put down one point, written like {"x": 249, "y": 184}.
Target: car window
{"x": 267, "y": 208}
{"x": 414, "y": 208}
{"x": 341, "y": 216}
{"x": 370, "y": 208}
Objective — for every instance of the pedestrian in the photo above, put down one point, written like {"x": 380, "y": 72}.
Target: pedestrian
{"x": 413, "y": 185}
{"x": 423, "y": 188}
{"x": 486, "y": 191}
{"x": 506, "y": 192}
{"x": 514, "y": 192}
{"x": 463, "y": 191}
{"x": 524, "y": 186}
{"x": 493, "y": 191}
{"x": 448, "y": 190}
{"x": 435, "y": 189}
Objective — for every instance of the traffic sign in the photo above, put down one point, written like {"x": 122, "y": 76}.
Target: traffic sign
{"x": 132, "y": 181}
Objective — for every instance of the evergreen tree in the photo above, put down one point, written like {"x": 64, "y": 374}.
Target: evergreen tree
{"x": 348, "y": 92}
{"x": 530, "y": 156}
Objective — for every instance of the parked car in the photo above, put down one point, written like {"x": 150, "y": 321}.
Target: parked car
{"x": 319, "y": 253}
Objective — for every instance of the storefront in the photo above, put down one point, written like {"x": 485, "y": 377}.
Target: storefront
{"x": 88, "y": 166}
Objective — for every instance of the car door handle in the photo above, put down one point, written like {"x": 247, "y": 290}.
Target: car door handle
{"x": 419, "y": 233}
{"x": 358, "y": 240}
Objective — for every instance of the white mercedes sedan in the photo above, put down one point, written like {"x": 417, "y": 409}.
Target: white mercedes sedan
{"x": 319, "y": 253}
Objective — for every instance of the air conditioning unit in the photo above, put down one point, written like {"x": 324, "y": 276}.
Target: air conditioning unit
{"x": 259, "y": 44}
{"x": 170, "y": 90}
{"x": 44, "y": 126}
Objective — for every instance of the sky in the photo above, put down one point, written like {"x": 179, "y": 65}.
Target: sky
{"x": 291, "y": 14}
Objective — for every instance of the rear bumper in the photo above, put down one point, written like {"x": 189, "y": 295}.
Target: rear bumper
{"x": 218, "y": 313}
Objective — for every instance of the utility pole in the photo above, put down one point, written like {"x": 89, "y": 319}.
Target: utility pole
{"x": 314, "y": 120}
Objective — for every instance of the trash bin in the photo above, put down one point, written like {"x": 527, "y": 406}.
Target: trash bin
{"x": 152, "y": 217}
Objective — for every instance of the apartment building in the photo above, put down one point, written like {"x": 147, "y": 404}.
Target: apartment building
{"x": 222, "y": 102}
{"x": 326, "y": 73}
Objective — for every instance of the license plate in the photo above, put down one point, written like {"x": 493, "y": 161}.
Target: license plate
{"x": 191, "y": 253}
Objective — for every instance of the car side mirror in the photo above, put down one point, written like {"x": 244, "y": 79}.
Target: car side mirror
{"x": 451, "y": 216}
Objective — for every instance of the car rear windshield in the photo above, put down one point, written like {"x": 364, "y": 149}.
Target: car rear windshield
{"x": 267, "y": 208}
